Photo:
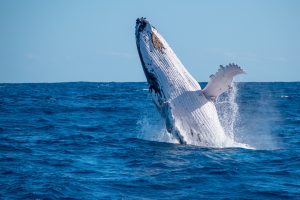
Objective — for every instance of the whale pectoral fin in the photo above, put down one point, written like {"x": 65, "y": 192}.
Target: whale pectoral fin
{"x": 221, "y": 81}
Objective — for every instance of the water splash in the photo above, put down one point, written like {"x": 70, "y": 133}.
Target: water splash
{"x": 154, "y": 131}
{"x": 228, "y": 110}
{"x": 250, "y": 131}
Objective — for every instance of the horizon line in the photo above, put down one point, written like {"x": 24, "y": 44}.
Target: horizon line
{"x": 135, "y": 82}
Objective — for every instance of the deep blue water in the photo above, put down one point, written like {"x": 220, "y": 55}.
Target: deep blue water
{"x": 81, "y": 141}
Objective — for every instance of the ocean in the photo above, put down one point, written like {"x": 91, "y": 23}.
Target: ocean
{"x": 87, "y": 140}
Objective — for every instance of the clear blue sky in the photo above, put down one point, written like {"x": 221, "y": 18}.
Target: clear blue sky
{"x": 60, "y": 41}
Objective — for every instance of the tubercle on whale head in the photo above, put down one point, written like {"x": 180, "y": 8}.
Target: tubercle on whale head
{"x": 141, "y": 25}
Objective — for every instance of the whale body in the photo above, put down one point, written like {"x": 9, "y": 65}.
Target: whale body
{"x": 188, "y": 111}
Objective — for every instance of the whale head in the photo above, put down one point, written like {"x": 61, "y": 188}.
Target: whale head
{"x": 164, "y": 72}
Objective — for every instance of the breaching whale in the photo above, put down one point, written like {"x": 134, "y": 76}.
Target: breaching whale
{"x": 188, "y": 111}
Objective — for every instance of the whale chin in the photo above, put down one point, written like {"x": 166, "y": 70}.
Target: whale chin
{"x": 144, "y": 32}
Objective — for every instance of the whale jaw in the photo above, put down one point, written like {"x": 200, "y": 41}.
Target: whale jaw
{"x": 190, "y": 116}
{"x": 143, "y": 30}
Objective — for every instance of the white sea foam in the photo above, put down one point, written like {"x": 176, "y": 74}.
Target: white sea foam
{"x": 154, "y": 131}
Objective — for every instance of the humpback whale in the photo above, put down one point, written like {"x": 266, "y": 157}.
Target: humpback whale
{"x": 188, "y": 111}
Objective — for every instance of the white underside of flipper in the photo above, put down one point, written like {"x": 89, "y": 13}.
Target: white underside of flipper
{"x": 221, "y": 81}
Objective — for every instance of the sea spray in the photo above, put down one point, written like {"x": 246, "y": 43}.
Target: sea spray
{"x": 251, "y": 130}
{"x": 256, "y": 128}
{"x": 152, "y": 127}
{"x": 228, "y": 111}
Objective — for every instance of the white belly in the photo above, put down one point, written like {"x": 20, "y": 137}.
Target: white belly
{"x": 197, "y": 120}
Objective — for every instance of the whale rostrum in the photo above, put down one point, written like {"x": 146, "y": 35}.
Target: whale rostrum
{"x": 188, "y": 111}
